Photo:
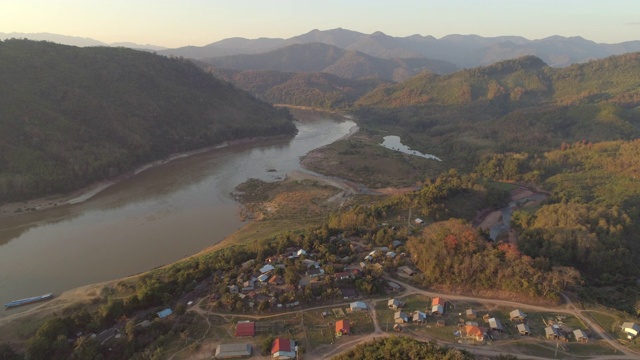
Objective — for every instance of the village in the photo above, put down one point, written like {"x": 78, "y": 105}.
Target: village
{"x": 316, "y": 302}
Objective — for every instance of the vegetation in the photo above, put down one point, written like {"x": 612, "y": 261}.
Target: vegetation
{"x": 400, "y": 347}
{"x": 71, "y": 116}
{"x": 318, "y": 57}
{"x": 317, "y": 90}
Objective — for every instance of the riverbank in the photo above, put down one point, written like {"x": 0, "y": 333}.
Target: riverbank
{"x": 88, "y": 192}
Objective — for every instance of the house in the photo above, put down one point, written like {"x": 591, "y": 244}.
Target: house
{"x": 310, "y": 263}
{"x": 437, "y": 310}
{"x": 234, "y": 289}
{"x": 233, "y": 351}
{"x": 245, "y": 328}
{"x": 349, "y": 293}
{"x": 248, "y": 285}
{"x": 419, "y": 317}
{"x": 395, "y": 304}
{"x": 475, "y": 333}
{"x": 276, "y": 280}
{"x": 406, "y": 270}
{"x": 342, "y": 327}
{"x": 396, "y": 243}
{"x": 394, "y": 286}
{"x": 400, "y": 317}
{"x": 300, "y": 252}
{"x": 358, "y": 306}
{"x": 517, "y": 315}
{"x": 283, "y": 349}
{"x": 263, "y": 278}
{"x": 580, "y": 335}
{"x": 267, "y": 268}
{"x": 391, "y": 254}
{"x": 164, "y": 313}
{"x": 438, "y": 301}
{"x": 495, "y": 325}
{"x": 418, "y": 221}
{"x": 471, "y": 314}
{"x": 315, "y": 272}
{"x": 552, "y": 332}
{"x": 631, "y": 329}
{"x": 342, "y": 275}
{"x": 524, "y": 329}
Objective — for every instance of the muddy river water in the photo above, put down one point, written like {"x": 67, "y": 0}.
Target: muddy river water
{"x": 154, "y": 218}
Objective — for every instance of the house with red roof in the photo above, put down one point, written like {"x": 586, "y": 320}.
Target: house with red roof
{"x": 245, "y": 328}
{"x": 283, "y": 349}
{"x": 342, "y": 327}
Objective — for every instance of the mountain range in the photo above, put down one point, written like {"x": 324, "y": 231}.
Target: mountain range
{"x": 76, "y": 40}
{"x": 465, "y": 51}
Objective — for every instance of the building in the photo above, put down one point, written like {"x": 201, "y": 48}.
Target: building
{"x": 552, "y": 332}
{"x": 517, "y": 315}
{"x": 395, "y": 304}
{"x": 267, "y": 268}
{"x": 245, "y": 328}
{"x": 495, "y": 325}
{"x": 233, "y": 351}
{"x": 631, "y": 329}
{"x": 342, "y": 327}
{"x": 523, "y": 329}
{"x": 164, "y": 313}
{"x": 437, "y": 310}
{"x": 471, "y": 314}
{"x": 344, "y": 275}
{"x": 580, "y": 335}
{"x": 406, "y": 270}
{"x": 475, "y": 333}
{"x": 418, "y": 221}
{"x": 358, "y": 306}
{"x": 438, "y": 301}
{"x": 400, "y": 317}
{"x": 283, "y": 349}
{"x": 315, "y": 272}
{"x": 248, "y": 285}
{"x": 419, "y": 317}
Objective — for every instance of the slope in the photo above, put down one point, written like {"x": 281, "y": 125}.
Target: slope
{"x": 70, "y": 116}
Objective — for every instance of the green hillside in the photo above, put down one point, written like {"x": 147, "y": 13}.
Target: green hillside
{"x": 320, "y": 90}
{"x": 524, "y": 81}
{"x": 70, "y": 116}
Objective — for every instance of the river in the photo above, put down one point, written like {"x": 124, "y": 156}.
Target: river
{"x": 154, "y": 218}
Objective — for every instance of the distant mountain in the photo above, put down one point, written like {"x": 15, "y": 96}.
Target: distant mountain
{"x": 523, "y": 81}
{"x": 465, "y": 51}
{"x": 318, "y": 57}
{"x": 320, "y": 90}
{"x": 75, "y": 40}
{"x": 70, "y": 116}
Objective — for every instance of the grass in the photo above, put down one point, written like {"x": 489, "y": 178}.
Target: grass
{"x": 590, "y": 349}
{"x": 607, "y": 322}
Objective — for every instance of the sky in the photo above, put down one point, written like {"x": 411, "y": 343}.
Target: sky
{"x": 173, "y": 23}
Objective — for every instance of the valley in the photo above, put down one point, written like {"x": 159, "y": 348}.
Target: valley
{"x": 509, "y": 185}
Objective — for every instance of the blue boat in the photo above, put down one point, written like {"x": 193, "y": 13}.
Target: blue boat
{"x": 27, "y": 301}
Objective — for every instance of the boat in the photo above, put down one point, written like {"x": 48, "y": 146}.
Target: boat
{"x": 27, "y": 301}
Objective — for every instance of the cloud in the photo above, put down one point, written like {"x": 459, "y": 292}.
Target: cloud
{"x": 633, "y": 23}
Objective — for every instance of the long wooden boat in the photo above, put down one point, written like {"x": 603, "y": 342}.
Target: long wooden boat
{"x": 30, "y": 300}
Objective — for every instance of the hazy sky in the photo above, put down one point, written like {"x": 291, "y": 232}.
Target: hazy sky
{"x": 174, "y": 23}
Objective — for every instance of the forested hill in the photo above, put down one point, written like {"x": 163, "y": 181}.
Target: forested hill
{"x": 524, "y": 81}
{"x": 70, "y": 116}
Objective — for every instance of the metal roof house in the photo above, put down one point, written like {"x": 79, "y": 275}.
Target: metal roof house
{"x": 495, "y": 324}
{"x": 580, "y": 335}
{"x": 631, "y": 329}
{"x": 283, "y": 349}
{"x": 524, "y": 329}
{"x": 245, "y": 328}
{"x": 164, "y": 313}
{"x": 358, "y": 306}
{"x": 517, "y": 315}
{"x": 232, "y": 351}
